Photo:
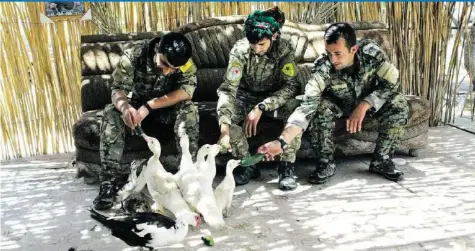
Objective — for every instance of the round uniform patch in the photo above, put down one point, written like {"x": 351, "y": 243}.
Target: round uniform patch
{"x": 234, "y": 73}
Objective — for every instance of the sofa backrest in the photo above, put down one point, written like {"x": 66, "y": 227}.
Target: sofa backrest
{"x": 212, "y": 40}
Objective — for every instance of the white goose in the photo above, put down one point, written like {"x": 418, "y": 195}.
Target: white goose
{"x": 161, "y": 184}
{"x": 207, "y": 204}
{"x": 194, "y": 186}
{"x": 225, "y": 190}
{"x": 208, "y": 167}
{"x": 188, "y": 177}
{"x": 135, "y": 183}
{"x": 201, "y": 156}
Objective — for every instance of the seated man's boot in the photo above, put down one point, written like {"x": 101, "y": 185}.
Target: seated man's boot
{"x": 387, "y": 169}
{"x": 286, "y": 175}
{"x": 242, "y": 174}
{"x": 322, "y": 173}
{"x": 105, "y": 199}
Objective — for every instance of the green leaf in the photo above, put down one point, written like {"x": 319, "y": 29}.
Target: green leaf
{"x": 252, "y": 160}
{"x": 208, "y": 240}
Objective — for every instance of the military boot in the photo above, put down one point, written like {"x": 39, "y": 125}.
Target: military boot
{"x": 242, "y": 174}
{"x": 286, "y": 175}
{"x": 322, "y": 172}
{"x": 387, "y": 169}
{"x": 105, "y": 198}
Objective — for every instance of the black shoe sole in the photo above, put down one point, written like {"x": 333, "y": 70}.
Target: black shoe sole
{"x": 286, "y": 188}
{"x": 103, "y": 207}
{"x": 386, "y": 176}
{"x": 241, "y": 183}
{"x": 318, "y": 182}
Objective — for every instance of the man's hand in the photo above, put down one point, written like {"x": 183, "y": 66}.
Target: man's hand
{"x": 355, "y": 121}
{"x": 223, "y": 142}
{"x": 131, "y": 117}
{"x": 143, "y": 111}
{"x": 270, "y": 149}
{"x": 250, "y": 125}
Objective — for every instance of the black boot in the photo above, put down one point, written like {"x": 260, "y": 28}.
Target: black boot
{"x": 106, "y": 197}
{"x": 387, "y": 169}
{"x": 322, "y": 173}
{"x": 242, "y": 174}
{"x": 286, "y": 175}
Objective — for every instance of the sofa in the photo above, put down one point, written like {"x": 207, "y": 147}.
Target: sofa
{"x": 212, "y": 39}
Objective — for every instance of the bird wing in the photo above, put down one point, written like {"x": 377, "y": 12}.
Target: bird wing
{"x": 149, "y": 218}
{"x": 163, "y": 182}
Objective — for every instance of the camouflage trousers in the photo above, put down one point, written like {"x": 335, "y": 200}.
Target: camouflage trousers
{"x": 238, "y": 141}
{"x": 114, "y": 133}
{"x": 392, "y": 118}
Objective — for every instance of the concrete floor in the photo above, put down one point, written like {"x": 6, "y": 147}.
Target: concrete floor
{"x": 43, "y": 207}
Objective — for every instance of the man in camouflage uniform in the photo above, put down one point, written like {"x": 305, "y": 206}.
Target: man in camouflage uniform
{"x": 155, "y": 78}
{"x": 352, "y": 80}
{"x": 260, "y": 78}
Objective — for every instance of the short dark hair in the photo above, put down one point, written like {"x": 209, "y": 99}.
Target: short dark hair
{"x": 340, "y": 30}
{"x": 176, "y": 47}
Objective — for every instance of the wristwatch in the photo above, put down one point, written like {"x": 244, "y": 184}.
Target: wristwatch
{"x": 148, "y": 107}
{"x": 261, "y": 107}
{"x": 283, "y": 144}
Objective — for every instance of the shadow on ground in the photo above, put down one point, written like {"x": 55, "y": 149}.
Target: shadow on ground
{"x": 43, "y": 207}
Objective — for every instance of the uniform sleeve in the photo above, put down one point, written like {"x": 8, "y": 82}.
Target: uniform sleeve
{"x": 227, "y": 90}
{"x": 289, "y": 89}
{"x": 387, "y": 76}
{"x": 313, "y": 90}
{"x": 187, "y": 80}
{"x": 123, "y": 75}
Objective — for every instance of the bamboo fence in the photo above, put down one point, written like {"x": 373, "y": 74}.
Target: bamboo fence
{"x": 40, "y": 70}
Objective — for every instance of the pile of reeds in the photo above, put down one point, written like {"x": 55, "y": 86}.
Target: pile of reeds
{"x": 40, "y": 76}
{"x": 427, "y": 63}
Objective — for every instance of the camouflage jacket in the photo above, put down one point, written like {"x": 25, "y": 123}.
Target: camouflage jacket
{"x": 271, "y": 79}
{"x": 142, "y": 80}
{"x": 375, "y": 80}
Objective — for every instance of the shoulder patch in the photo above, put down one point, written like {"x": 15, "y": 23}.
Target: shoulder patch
{"x": 289, "y": 69}
{"x": 234, "y": 72}
{"x": 184, "y": 68}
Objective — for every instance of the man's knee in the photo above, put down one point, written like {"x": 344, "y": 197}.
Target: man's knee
{"x": 187, "y": 114}
{"x": 325, "y": 113}
{"x": 238, "y": 141}
{"x": 110, "y": 113}
{"x": 396, "y": 111}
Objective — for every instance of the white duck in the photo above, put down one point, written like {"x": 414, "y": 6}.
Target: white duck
{"x": 201, "y": 156}
{"x": 161, "y": 184}
{"x": 225, "y": 190}
{"x": 208, "y": 167}
{"x": 134, "y": 184}
{"x": 147, "y": 229}
{"x": 207, "y": 204}
{"x": 188, "y": 177}
{"x": 194, "y": 187}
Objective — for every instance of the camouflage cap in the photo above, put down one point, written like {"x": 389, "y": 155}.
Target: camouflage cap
{"x": 263, "y": 24}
